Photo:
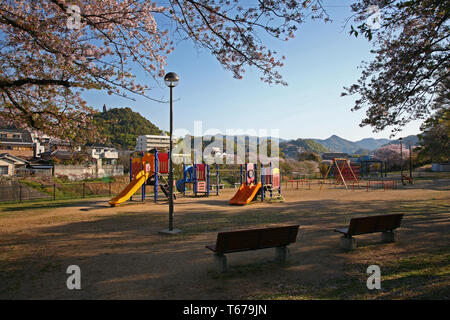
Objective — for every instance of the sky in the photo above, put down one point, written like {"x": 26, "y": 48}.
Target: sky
{"x": 320, "y": 61}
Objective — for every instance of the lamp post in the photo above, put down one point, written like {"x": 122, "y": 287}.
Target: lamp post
{"x": 401, "y": 159}
{"x": 171, "y": 79}
{"x": 410, "y": 159}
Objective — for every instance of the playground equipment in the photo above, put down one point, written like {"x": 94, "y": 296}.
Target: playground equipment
{"x": 250, "y": 187}
{"x": 410, "y": 180}
{"x": 197, "y": 175}
{"x": 298, "y": 182}
{"x": 271, "y": 182}
{"x": 342, "y": 171}
{"x": 367, "y": 167}
{"x": 150, "y": 169}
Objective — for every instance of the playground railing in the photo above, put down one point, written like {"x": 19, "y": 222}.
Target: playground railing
{"x": 296, "y": 184}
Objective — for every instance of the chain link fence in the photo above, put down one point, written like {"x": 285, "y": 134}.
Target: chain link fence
{"x": 19, "y": 192}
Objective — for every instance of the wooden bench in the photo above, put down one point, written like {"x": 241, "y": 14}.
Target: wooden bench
{"x": 253, "y": 239}
{"x": 386, "y": 224}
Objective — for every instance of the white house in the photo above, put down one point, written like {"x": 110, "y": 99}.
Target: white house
{"x": 9, "y": 164}
{"x": 106, "y": 154}
{"x": 148, "y": 142}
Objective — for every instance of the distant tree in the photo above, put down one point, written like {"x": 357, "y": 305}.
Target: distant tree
{"x": 392, "y": 154}
{"x": 323, "y": 168}
{"x": 124, "y": 160}
{"x": 309, "y": 156}
{"x": 412, "y": 60}
{"x": 285, "y": 168}
{"x": 435, "y": 138}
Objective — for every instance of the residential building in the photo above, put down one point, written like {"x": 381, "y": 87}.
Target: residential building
{"x": 148, "y": 142}
{"x": 106, "y": 154}
{"x": 16, "y": 142}
{"x": 9, "y": 164}
{"x": 44, "y": 145}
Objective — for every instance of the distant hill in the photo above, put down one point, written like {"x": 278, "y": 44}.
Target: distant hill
{"x": 292, "y": 148}
{"x": 338, "y": 144}
{"x": 121, "y": 127}
{"x": 371, "y": 143}
{"x": 363, "y": 146}
{"x": 413, "y": 139}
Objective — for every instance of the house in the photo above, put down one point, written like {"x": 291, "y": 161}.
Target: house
{"x": 56, "y": 156}
{"x": 10, "y": 164}
{"x": 440, "y": 167}
{"x": 16, "y": 142}
{"x": 107, "y": 155}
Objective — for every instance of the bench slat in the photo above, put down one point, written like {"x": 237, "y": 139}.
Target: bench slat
{"x": 372, "y": 224}
{"x": 253, "y": 239}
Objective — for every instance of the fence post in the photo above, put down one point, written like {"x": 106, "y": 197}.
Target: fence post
{"x": 20, "y": 193}
{"x": 109, "y": 188}
{"x": 83, "y": 190}
{"x": 54, "y": 192}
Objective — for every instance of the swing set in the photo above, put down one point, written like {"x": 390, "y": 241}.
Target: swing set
{"x": 344, "y": 172}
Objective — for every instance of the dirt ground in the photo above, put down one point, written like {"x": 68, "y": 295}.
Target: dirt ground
{"x": 122, "y": 255}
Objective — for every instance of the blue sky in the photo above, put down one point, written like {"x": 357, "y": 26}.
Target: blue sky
{"x": 320, "y": 61}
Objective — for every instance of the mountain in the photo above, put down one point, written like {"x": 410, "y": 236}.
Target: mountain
{"x": 413, "y": 139}
{"x": 292, "y": 148}
{"x": 121, "y": 127}
{"x": 371, "y": 143}
{"x": 337, "y": 144}
{"x": 363, "y": 146}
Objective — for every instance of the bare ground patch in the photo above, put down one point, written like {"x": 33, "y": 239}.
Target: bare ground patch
{"x": 122, "y": 256}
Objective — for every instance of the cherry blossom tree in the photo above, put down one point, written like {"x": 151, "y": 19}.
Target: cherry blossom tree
{"x": 392, "y": 153}
{"x": 412, "y": 60}
{"x": 53, "y": 50}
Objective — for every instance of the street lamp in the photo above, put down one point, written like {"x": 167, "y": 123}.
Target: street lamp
{"x": 171, "y": 79}
{"x": 410, "y": 159}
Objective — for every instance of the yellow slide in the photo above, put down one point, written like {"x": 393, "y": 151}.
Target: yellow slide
{"x": 245, "y": 194}
{"x": 131, "y": 189}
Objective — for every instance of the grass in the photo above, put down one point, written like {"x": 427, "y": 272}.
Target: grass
{"x": 7, "y": 207}
{"x": 424, "y": 276}
{"x": 57, "y": 189}
{"x": 416, "y": 275}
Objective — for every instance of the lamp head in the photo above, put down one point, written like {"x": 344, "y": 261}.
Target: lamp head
{"x": 171, "y": 79}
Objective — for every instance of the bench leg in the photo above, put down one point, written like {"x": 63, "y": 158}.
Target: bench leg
{"x": 220, "y": 260}
{"x": 281, "y": 254}
{"x": 348, "y": 243}
{"x": 388, "y": 236}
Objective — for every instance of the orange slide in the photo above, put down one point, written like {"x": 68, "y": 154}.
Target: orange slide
{"x": 245, "y": 194}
